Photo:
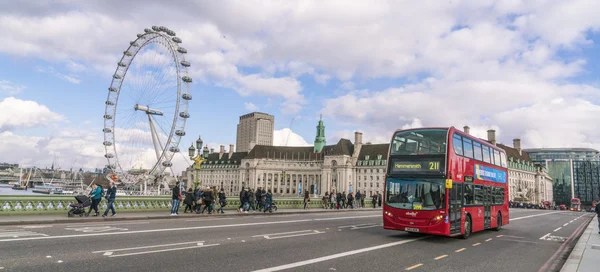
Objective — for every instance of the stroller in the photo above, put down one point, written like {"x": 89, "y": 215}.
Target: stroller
{"x": 79, "y": 207}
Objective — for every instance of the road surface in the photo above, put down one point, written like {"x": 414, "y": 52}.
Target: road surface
{"x": 353, "y": 241}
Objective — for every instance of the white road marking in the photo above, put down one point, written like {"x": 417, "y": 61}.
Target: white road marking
{"x": 440, "y": 257}
{"x": 571, "y": 221}
{"x": 144, "y": 247}
{"x": 210, "y": 219}
{"x": 36, "y": 227}
{"x": 48, "y": 257}
{"x": 459, "y": 250}
{"x": 289, "y": 234}
{"x": 557, "y": 229}
{"x": 565, "y": 224}
{"x": 339, "y": 255}
{"x": 179, "y": 229}
{"x": 488, "y": 240}
{"x": 243, "y": 241}
{"x": 59, "y": 261}
{"x": 529, "y": 216}
{"x": 105, "y": 224}
{"x": 96, "y": 229}
{"x": 108, "y": 253}
{"x": 161, "y": 250}
{"x": 347, "y": 217}
{"x": 413, "y": 267}
{"x": 518, "y": 237}
{"x": 476, "y": 244}
{"x": 544, "y": 237}
{"x": 17, "y": 233}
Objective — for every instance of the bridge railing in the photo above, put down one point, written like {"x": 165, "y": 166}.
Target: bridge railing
{"x": 19, "y": 204}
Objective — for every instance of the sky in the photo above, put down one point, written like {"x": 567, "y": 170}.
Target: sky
{"x": 528, "y": 69}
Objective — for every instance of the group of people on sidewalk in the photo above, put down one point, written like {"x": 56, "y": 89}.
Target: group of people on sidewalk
{"x": 203, "y": 198}
{"x": 343, "y": 201}
{"x": 96, "y": 195}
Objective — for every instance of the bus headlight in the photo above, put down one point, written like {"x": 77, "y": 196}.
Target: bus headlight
{"x": 437, "y": 219}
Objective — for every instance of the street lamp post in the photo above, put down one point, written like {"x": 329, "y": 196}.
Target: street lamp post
{"x": 197, "y": 158}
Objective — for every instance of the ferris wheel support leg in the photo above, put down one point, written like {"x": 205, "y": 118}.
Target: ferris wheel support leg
{"x": 154, "y": 137}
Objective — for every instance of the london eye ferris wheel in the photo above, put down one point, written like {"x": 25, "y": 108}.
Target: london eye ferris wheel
{"x": 147, "y": 106}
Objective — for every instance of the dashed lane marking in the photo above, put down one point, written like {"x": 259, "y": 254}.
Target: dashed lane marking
{"x": 477, "y": 244}
{"x": 459, "y": 250}
{"x": 557, "y": 229}
{"x": 499, "y": 236}
{"x": 144, "y": 247}
{"x": 565, "y": 224}
{"x": 413, "y": 267}
{"x": 48, "y": 257}
{"x": 440, "y": 257}
{"x": 529, "y": 216}
{"x": 488, "y": 240}
{"x": 59, "y": 261}
{"x": 288, "y": 234}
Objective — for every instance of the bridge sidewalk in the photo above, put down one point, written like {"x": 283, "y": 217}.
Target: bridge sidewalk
{"x": 144, "y": 215}
{"x": 585, "y": 255}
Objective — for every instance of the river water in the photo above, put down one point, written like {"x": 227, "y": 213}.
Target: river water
{"x": 7, "y": 190}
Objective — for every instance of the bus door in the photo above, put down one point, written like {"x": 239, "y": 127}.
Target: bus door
{"x": 487, "y": 209}
{"x": 455, "y": 202}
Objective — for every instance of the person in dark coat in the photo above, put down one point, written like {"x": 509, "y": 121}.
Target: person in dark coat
{"x": 188, "y": 201}
{"x": 176, "y": 197}
{"x": 208, "y": 200}
{"x": 111, "y": 195}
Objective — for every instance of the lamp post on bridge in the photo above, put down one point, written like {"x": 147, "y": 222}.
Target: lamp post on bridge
{"x": 197, "y": 158}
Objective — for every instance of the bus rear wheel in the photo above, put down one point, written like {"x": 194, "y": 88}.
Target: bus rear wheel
{"x": 498, "y": 222}
{"x": 467, "y": 227}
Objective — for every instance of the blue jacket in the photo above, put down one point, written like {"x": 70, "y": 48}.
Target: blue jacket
{"x": 96, "y": 193}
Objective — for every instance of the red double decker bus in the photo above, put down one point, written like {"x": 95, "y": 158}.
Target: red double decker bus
{"x": 445, "y": 182}
{"x": 575, "y": 204}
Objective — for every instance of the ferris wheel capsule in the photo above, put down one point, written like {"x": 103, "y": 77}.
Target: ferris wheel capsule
{"x": 177, "y": 39}
{"x": 182, "y": 50}
{"x": 185, "y": 63}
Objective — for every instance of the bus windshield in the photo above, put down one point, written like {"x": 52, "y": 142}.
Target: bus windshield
{"x": 419, "y": 142}
{"x": 415, "y": 193}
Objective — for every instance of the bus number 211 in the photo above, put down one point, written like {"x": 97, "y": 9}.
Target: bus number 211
{"x": 434, "y": 166}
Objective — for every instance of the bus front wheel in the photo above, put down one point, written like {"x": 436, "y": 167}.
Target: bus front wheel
{"x": 498, "y": 222}
{"x": 468, "y": 229}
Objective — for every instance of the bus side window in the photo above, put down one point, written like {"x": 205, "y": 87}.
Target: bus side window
{"x": 477, "y": 153}
{"x": 469, "y": 194}
{"x": 486, "y": 153}
{"x": 457, "y": 143}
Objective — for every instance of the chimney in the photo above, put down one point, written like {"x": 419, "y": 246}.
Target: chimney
{"x": 221, "y": 151}
{"x": 517, "y": 145}
{"x": 230, "y": 151}
{"x": 357, "y": 137}
{"x": 212, "y": 150}
{"x": 467, "y": 129}
{"x": 492, "y": 136}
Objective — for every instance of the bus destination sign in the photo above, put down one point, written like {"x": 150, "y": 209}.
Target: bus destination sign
{"x": 420, "y": 166}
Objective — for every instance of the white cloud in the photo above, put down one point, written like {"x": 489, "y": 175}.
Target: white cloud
{"x": 484, "y": 64}
{"x": 73, "y": 78}
{"x": 17, "y": 113}
{"x": 250, "y": 106}
{"x": 286, "y": 137}
{"x": 10, "y": 88}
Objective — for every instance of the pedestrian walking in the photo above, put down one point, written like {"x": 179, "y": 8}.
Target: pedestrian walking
{"x": 96, "y": 196}
{"x": 188, "y": 201}
{"x": 176, "y": 197}
{"x": 111, "y": 195}
{"x": 222, "y": 200}
{"x": 597, "y": 210}
{"x": 306, "y": 199}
